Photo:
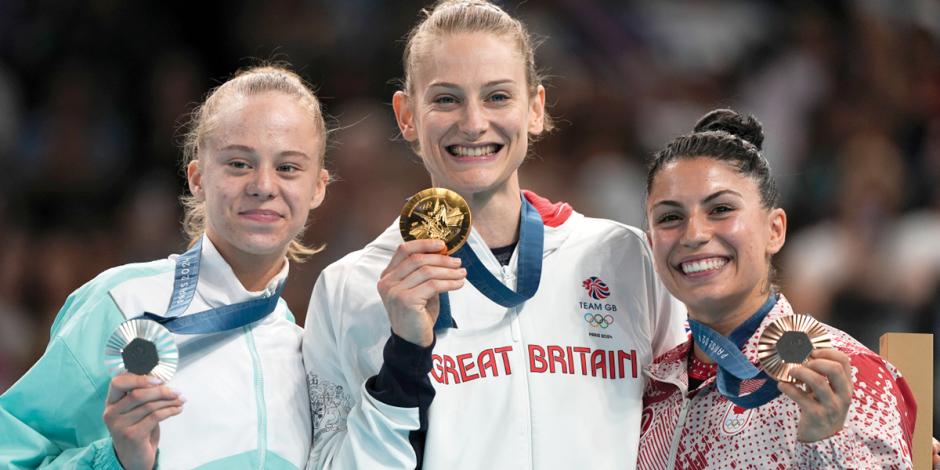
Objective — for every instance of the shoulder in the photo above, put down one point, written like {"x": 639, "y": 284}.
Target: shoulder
{"x": 359, "y": 268}
{"x": 620, "y": 239}
{"x": 873, "y": 372}
{"x": 90, "y": 296}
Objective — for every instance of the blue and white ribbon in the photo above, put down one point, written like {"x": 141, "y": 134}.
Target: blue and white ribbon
{"x": 733, "y": 366}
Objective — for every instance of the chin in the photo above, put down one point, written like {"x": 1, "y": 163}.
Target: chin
{"x": 704, "y": 297}
{"x": 477, "y": 182}
{"x": 262, "y": 244}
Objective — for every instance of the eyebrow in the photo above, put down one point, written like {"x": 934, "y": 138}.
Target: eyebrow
{"x": 485, "y": 85}
{"x": 706, "y": 200}
{"x": 247, "y": 149}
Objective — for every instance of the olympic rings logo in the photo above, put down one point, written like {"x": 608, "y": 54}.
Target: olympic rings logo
{"x": 598, "y": 320}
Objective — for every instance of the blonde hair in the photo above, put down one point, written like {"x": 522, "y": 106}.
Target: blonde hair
{"x": 247, "y": 82}
{"x": 471, "y": 16}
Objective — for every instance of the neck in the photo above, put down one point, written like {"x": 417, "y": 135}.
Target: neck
{"x": 496, "y": 214}
{"x": 724, "y": 320}
{"x": 254, "y": 272}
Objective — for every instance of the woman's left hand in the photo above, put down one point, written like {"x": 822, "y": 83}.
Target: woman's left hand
{"x": 825, "y": 402}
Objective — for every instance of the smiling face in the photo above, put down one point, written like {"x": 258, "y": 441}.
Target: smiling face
{"x": 712, "y": 238}
{"x": 470, "y": 112}
{"x": 259, "y": 174}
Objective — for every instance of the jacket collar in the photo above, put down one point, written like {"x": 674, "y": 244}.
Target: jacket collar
{"x": 218, "y": 286}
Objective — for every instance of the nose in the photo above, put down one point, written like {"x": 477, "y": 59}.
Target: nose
{"x": 697, "y": 231}
{"x": 263, "y": 184}
{"x": 474, "y": 122}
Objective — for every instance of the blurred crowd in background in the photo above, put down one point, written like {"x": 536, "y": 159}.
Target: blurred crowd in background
{"x": 93, "y": 94}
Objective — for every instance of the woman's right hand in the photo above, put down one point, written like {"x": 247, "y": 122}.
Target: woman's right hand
{"x": 135, "y": 406}
{"x": 410, "y": 285}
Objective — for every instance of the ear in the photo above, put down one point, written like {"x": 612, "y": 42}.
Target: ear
{"x": 777, "y": 219}
{"x": 194, "y": 177}
{"x": 322, "y": 180}
{"x": 537, "y": 112}
{"x": 404, "y": 115}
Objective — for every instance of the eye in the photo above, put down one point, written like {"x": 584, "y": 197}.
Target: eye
{"x": 445, "y": 100}
{"x": 722, "y": 209}
{"x": 668, "y": 218}
{"x": 288, "y": 168}
{"x": 239, "y": 165}
{"x": 499, "y": 97}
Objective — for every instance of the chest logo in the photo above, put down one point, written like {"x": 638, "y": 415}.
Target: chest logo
{"x": 735, "y": 420}
{"x": 596, "y": 288}
{"x": 598, "y": 320}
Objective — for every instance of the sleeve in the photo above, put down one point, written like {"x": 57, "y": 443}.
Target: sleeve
{"x": 384, "y": 427}
{"x": 879, "y": 427}
{"x": 668, "y": 322}
{"x": 51, "y": 417}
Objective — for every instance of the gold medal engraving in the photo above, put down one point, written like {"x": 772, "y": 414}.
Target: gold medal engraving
{"x": 439, "y": 214}
{"x": 788, "y": 342}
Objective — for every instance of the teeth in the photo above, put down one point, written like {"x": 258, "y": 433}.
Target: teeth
{"x": 464, "y": 151}
{"x": 703, "y": 265}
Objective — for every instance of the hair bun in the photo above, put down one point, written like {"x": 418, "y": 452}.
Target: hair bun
{"x": 740, "y": 125}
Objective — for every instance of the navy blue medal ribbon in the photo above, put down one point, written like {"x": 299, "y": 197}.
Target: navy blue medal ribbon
{"x": 531, "y": 246}
{"x": 214, "y": 320}
{"x": 733, "y": 366}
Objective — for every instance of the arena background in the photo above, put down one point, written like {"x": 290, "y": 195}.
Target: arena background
{"x": 93, "y": 94}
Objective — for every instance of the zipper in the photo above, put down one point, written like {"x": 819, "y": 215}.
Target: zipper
{"x": 505, "y": 274}
{"x": 262, "y": 413}
{"x": 674, "y": 448}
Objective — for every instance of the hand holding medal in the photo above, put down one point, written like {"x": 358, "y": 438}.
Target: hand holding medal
{"x": 434, "y": 223}
{"x": 797, "y": 349}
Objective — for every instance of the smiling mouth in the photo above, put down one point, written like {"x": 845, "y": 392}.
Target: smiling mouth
{"x": 261, "y": 215}
{"x": 703, "y": 266}
{"x": 473, "y": 151}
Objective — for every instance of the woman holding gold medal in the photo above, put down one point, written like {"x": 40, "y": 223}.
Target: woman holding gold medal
{"x": 512, "y": 369}
{"x": 715, "y": 401}
{"x": 227, "y": 343}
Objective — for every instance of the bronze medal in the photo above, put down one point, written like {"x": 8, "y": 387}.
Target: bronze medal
{"x": 787, "y": 342}
{"x": 439, "y": 214}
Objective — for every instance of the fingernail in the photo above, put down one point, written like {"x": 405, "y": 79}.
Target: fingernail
{"x": 175, "y": 392}
{"x": 154, "y": 380}
{"x": 181, "y": 398}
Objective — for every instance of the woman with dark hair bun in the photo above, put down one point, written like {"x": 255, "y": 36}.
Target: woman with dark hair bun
{"x": 715, "y": 401}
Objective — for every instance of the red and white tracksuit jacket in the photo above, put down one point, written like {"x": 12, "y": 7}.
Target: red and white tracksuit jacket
{"x": 704, "y": 430}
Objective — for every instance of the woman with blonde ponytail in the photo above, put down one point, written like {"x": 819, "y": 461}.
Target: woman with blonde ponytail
{"x": 238, "y": 397}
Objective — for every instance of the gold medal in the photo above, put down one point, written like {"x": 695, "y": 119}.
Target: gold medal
{"x": 787, "y": 343}
{"x": 439, "y": 214}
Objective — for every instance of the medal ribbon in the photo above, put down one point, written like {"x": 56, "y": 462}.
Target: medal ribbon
{"x": 214, "y": 320}
{"x": 531, "y": 244}
{"x": 733, "y": 366}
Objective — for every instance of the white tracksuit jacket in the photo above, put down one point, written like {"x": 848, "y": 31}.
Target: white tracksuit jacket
{"x": 554, "y": 383}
